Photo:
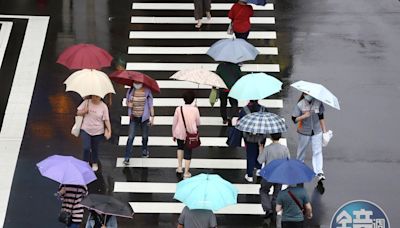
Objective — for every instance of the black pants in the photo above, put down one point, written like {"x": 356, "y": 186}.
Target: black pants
{"x": 223, "y": 96}
{"x": 292, "y": 224}
{"x": 187, "y": 153}
{"x": 242, "y": 35}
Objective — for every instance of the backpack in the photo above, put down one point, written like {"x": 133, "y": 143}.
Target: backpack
{"x": 253, "y": 138}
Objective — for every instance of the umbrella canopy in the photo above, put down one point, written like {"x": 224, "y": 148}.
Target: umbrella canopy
{"x": 66, "y": 170}
{"x": 232, "y": 50}
{"x": 317, "y": 91}
{"x": 206, "y": 191}
{"x": 127, "y": 77}
{"x": 262, "y": 123}
{"x": 255, "y": 86}
{"x": 200, "y": 76}
{"x": 107, "y": 205}
{"x": 85, "y": 56}
{"x": 257, "y": 2}
{"x": 287, "y": 171}
{"x": 89, "y": 82}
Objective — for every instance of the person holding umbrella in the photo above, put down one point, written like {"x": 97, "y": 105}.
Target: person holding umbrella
{"x": 96, "y": 220}
{"x": 240, "y": 14}
{"x": 95, "y": 126}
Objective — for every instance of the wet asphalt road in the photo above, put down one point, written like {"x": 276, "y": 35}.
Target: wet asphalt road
{"x": 351, "y": 47}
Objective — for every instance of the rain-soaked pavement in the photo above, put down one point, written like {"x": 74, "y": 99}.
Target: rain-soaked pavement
{"x": 349, "y": 46}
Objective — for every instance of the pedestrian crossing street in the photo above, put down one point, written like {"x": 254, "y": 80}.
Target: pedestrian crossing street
{"x": 145, "y": 41}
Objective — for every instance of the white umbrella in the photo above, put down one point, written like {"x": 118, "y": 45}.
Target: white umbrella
{"x": 200, "y": 76}
{"x": 89, "y": 82}
{"x": 317, "y": 91}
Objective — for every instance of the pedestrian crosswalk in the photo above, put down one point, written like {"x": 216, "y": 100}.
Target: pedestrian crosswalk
{"x": 160, "y": 45}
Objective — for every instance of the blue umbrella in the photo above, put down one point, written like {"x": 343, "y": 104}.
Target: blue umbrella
{"x": 232, "y": 50}
{"x": 287, "y": 171}
{"x": 255, "y": 86}
{"x": 206, "y": 191}
{"x": 257, "y": 2}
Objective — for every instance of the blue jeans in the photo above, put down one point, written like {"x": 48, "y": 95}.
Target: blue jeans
{"x": 316, "y": 146}
{"x": 74, "y": 225}
{"x": 137, "y": 121}
{"x": 251, "y": 157}
{"x": 91, "y": 144}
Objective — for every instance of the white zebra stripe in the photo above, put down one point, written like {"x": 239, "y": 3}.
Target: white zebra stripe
{"x": 191, "y": 20}
{"x": 148, "y": 50}
{"x": 190, "y": 6}
{"x": 195, "y": 35}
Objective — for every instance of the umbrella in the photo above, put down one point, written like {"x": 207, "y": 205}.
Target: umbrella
{"x": 257, "y": 2}
{"x": 200, "y": 76}
{"x": 107, "y": 205}
{"x": 66, "y": 170}
{"x": 206, "y": 191}
{"x": 85, "y": 56}
{"x": 287, "y": 171}
{"x": 317, "y": 91}
{"x": 232, "y": 50}
{"x": 89, "y": 82}
{"x": 127, "y": 77}
{"x": 255, "y": 86}
{"x": 262, "y": 123}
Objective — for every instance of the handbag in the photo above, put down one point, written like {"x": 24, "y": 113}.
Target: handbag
{"x": 230, "y": 29}
{"x": 76, "y": 129}
{"x": 65, "y": 217}
{"x": 297, "y": 202}
{"x": 234, "y": 137}
{"x": 192, "y": 139}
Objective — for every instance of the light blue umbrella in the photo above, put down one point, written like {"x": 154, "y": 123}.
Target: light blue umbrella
{"x": 255, "y": 86}
{"x": 232, "y": 50}
{"x": 206, "y": 191}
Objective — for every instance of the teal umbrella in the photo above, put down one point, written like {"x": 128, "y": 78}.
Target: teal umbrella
{"x": 255, "y": 86}
{"x": 206, "y": 191}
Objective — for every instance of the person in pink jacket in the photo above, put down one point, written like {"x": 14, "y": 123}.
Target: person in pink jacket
{"x": 192, "y": 119}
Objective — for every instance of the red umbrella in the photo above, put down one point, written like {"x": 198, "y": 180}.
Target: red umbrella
{"x": 85, "y": 56}
{"x": 127, "y": 77}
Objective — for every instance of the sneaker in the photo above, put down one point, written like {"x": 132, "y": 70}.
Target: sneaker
{"x": 145, "y": 154}
{"x": 95, "y": 167}
{"x": 126, "y": 162}
{"x": 258, "y": 172}
{"x": 249, "y": 179}
{"x": 321, "y": 176}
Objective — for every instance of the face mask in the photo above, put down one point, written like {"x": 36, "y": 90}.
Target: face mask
{"x": 308, "y": 98}
{"x": 137, "y": 85}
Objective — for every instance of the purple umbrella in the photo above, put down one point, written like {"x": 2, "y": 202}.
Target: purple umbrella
{"x": 66, "y": 170}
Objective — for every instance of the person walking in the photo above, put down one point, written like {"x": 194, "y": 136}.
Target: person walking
{"x": 292, "y": 201}
{"x": 139, "y": 100}
{"x": 240, "y": 14}
{"x": 191, "y": 115}
{"x": 95, "y": 127}
{"x": 197, "y": 218}
{"x": 96, "y": 220}
{"x": 308, "y": 114}
{"x": 201, "y": 7}
{"x": 230, "y": 73}
{"x": 252, "y": 148}
{"x": 71, "y": 197}
{"x": 273, "y": 151}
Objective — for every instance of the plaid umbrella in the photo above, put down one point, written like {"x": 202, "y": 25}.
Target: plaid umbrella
{"x": 262, "y": 123}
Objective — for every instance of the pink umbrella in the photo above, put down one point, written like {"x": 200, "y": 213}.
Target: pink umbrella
{"x": 127, "y": 77}
{"x": 85, "y": 56}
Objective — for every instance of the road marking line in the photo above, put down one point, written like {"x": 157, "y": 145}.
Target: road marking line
{"x": 167, "y": 141}
{"x": 190, "y": 6}
{"x": 148, "y": 66}
{"x": 204, "y": 102}
{"x": 195, "y": 35}
{"x": 176, "y": 208}
{"x": 19, "y": 101}
{"x": 191, "y": 20}
{"x": 4, "y": 36}
{"x": 167, "y": 120}
{"x": 147, "y": 50}
{"x": 153, "y": 187}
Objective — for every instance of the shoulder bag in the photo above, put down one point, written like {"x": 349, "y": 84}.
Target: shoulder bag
{"x": 297, "y": 202}
{"x": 78, "y": 123}
{"x": 192, "y": 139}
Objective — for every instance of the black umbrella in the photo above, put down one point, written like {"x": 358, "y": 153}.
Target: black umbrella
{"x": 107, "y": 205}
